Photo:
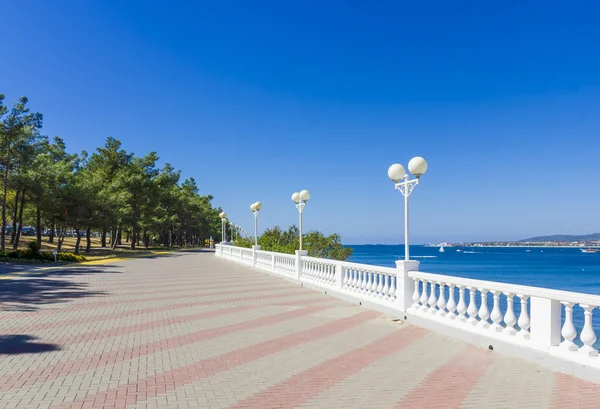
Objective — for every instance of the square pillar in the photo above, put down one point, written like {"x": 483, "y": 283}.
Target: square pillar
{"x": 545, "y": 322}
{"x": 405, "y": 285}
{"x": 299, "y": 254}
{"x": 254, "y": 248}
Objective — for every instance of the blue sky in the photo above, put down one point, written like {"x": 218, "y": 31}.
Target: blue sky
{"x": 257, "y": 100}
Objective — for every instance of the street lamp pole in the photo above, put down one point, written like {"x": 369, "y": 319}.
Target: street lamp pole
{"x": 300, "y": 198}
{"x": 417, "y": 166}
{"x": 223, "y": 216}
{"x": 255, "y": 207}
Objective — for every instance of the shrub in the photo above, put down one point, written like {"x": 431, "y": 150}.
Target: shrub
{"x": 14, "y": 254}
{"x": 33, "y": 247}
{"x": 76, "y": 258}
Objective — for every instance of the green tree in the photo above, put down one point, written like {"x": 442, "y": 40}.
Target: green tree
{"x": 18, "y": 133}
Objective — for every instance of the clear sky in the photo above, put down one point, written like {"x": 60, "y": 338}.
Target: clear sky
{"x": 258, "y": 99}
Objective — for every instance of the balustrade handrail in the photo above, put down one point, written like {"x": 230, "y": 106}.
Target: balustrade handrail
{"x": 560, "y": 295}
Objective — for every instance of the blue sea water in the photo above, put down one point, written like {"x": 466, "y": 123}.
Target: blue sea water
{"x": 559, "y": 268}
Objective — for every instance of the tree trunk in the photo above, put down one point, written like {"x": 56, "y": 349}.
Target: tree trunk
{"x": 88, "y": 238}
{"x": 133, "y": 227}
{"x": 15, "y": 214}
{"x": 119, "y": 235}
{"x": 20, "y": 228}
{"x": 5, "y": 183}
{"x": 103, "y": 237}
{"x": 38, "y": 223}
{"x": 52, "y": 231}
{"x": 61, "y": 237}
{"x": 78, "y": 239}
{"x": 115, "y": 237}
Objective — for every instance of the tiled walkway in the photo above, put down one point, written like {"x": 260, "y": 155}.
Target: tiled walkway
{"x": 192, "y": 331}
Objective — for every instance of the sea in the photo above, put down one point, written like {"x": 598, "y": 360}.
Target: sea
{"x": 550, "y": 267}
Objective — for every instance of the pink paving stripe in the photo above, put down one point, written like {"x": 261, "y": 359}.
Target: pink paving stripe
{"x": 182, "y": 281}
{"x": 171, "y": 307}
{"x": 51, "y": 372}
{"x": 130, "y": 329}
{"x": 94, "y": 305}
{"x": 160, "y": 289}
{"x": 571, "y": 392}
{"x": 310, "y": 383}
{"x": 449, "y": 385}
{"x": 147, "y": 388}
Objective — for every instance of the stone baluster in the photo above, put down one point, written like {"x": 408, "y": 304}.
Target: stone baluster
{"x": 568, "y": 331}
{"x": 432, "y": 301}
{"x": 496, "y": 312}
{"x": 344, "y": 277}
{"x": 379, "y": 284}
{"x": 510, "y": 318}
{"x": 462, "y": 305}
{"x": 441, "y": 304}
{"x": 588, "y": 335}
{"x": 451, "y": 306}
{"x": 424, "y": 296}
{"x": 386, "y": 286}
{"x": 373, "y": 290}
{"x": 354, "y": 279}
{"x": 392, "y": 291}
{"x": 484, "y": 312}
{"x": 524, "y": 320}
{"x": 416, "y": 295}
{"x": 472, "y": 309}
{"x": 367, "y": 283}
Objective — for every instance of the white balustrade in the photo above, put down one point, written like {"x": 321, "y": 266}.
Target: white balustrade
{"x": 514, "y": 313}
{"x": 285, "y": 264}
{"x": 318, "y": 270}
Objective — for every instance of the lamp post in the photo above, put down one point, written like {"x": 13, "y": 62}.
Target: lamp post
{"x": 300, "y": 198}
{"x": 255, "y": 207}
{"x": 223, "y": 216}
{"x": 417, "y": 166}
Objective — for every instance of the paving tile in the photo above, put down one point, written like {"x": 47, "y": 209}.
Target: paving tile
{"x": 194, "y": 331}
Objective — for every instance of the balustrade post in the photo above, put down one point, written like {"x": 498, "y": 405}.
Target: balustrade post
{"x": 339, "y": 276}
{"x": 545, "y": 322}
{"x": 254, "y": 254}
{"x": 405, "y": 286}
{"x": 299, "y": 254}
{"x": 588, "y": 335}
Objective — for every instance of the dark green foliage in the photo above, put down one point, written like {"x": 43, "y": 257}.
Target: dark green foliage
{"x": 288, "y": 241}
{"x": 112, "y": 191}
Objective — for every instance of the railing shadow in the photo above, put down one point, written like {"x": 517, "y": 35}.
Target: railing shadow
{"x": 23, "y": 344}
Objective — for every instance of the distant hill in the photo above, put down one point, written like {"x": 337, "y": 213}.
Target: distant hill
{"x": 564, "y": 237}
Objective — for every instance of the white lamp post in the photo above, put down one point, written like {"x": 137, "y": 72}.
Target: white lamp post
{"x": 255, "y": 207}
{"x": 300, "y": 198}
{"x": 231, "y": 226}
{"x": 417, "y": 166}
{"x": 223, "y": 216}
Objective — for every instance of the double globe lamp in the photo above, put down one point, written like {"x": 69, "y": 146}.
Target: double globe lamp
{"x": 402, "y": 182}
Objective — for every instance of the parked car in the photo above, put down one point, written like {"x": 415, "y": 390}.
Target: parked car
{"x": 28, "y": 231}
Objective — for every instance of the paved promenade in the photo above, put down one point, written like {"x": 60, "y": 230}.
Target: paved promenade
{"x": 192, "y": 331}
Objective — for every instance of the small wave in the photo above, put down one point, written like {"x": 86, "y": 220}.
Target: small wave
{"x": 424, "y": 256}
{"x": 473, "y": 252}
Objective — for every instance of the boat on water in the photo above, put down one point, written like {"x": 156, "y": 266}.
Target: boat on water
{"x": 590, "y": 250}
{"x": 442, "y": 249}
{"x": 458, "y": 250}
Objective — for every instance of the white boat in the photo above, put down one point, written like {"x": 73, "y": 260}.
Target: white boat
{"x": 458, "y": 250}
{"x": 442, "y": 248}
{"x": 590, "y": 250}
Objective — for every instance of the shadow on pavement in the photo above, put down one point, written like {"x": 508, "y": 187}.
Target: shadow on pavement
{"x": 27, "y": 293}
{"x": 22, "y": 344}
